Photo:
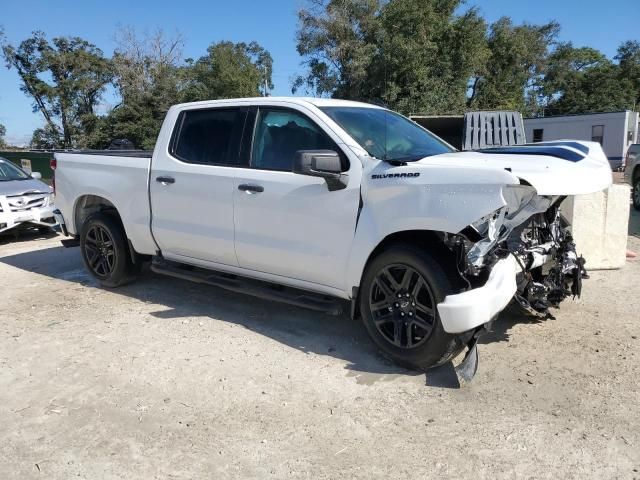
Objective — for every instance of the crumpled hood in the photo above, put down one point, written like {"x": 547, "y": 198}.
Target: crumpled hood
{"x": 552, "y": 168}
{"x": 20, "y": 187}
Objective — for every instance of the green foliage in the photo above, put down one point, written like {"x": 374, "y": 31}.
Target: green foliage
{"x": 229, "y": 70}
{"x": 337, "y": 38}
{"x": 148, "y": 79}
{"x": 65, "y": 79}
{"x": 515, "y": 64}
{"x": 150, "y": 76}
{"x": 580, "y": 80}
{"x": 431, "y": 56}
{"x": 628, "y": 58}
{"x": 412, "y": 55}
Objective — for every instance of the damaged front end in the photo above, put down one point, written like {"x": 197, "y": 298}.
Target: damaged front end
{"x": 531, "y": 229}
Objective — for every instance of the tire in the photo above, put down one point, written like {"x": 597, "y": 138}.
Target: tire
{"x": 105, "y": 251}
{"x": 422, "y": 342}
{"x": 635, "y": 193}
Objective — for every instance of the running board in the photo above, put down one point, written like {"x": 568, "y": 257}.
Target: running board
{"x": 256, "y": 288}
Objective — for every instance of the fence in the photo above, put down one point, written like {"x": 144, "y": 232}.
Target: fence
{"x": 39, "y": 161}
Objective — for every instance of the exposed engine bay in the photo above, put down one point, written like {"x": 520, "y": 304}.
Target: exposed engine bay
{"x": 532, "y": 229}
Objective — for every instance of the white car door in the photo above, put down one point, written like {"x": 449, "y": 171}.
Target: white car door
{"x": 191, "y": 186}
{"x": 289, "y": 224}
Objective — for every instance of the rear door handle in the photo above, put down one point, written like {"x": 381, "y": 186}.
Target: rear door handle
{"x": 165, "y": 180}
{"x": 251, "y": 188}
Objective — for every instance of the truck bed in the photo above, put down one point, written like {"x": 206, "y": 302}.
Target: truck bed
{"x": 119, "y": 176}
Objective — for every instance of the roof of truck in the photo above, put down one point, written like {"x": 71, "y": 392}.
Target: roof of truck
{"x": 318, "y": 102}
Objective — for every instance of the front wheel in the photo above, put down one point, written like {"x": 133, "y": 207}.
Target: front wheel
{"x": 399, "y": 294}
{"x": 105, "y": 252}
{"x": 636, "y": 193}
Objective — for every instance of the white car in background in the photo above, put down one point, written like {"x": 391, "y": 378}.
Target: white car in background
{"x": 24, "y": 198}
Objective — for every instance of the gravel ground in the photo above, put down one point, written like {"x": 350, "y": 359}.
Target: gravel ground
{"x": 168, "y": 379}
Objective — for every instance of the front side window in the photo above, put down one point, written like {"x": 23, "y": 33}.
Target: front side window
{"x": 279, "y": 134}
{"x": 387, "y": 135}
{"x": 8, "y": 172}
{"x": 206, "y": 136}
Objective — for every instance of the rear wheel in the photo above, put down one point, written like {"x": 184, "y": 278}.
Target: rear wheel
{"x": 400, "y": 291}
{"x": 105, "y": 252}
{"x": 636, "y": 193}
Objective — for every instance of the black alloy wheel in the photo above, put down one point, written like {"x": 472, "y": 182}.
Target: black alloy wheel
{"x": 105, "y": 251}
{"x": 100, "y": 251}
{"x": 400, "y": 291}
{"x": 402, "y": 306}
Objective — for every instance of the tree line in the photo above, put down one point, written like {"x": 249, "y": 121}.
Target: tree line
{"x": 415, "y": 56}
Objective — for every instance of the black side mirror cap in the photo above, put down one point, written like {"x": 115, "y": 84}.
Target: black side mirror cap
{"x": 321, "y": 163}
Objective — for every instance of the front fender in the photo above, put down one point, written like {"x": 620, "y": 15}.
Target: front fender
{"x": 439, "y": 199}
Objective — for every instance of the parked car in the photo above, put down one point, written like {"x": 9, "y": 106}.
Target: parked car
{"x": 317, "y": 201}
{"x": 632, "y": 173}
{"x": 24, "y": 198}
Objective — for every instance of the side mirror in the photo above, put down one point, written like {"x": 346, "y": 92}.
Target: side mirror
{"x": 36, "y": 175}
{"x": 321, "y": 163}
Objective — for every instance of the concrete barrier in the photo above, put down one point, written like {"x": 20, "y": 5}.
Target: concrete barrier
{"x": 599, "y": 224}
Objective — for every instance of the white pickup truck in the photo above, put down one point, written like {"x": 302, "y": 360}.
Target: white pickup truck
{"x": 318, "y": 201}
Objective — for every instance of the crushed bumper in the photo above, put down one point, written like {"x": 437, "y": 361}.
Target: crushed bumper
{"x": 38, "y": 216}
{"x": 468, "y": 310}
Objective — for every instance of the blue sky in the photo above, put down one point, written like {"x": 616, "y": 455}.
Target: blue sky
{"x": 272, "y": 23}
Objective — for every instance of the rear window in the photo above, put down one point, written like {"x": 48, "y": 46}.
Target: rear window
{"x": 206, "y": 136}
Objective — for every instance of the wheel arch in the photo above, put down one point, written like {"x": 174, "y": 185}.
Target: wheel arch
{"x": 86, "y": 205}
{"x": 429, "y": 239}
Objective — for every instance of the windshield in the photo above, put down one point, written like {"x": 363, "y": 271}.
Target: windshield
{"x": 8, "y": 171}
{"x": 387, "y": 135}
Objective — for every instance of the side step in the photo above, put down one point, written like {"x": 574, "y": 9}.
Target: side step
{"x": 256, "y": 288}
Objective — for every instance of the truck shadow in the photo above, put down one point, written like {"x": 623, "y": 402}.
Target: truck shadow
{"x": 308, "y": 331}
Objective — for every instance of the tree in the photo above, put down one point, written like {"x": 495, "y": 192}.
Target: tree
{"x": 337, "y": 40}
{"x": 580, "y": 80}
{"x": 512, "y": 71}
{"x": 150, "y": 76}
{"x": 45, "y": 138}
{"x": 148, "y": 79}
{"x": 65, "y": 79}
{"x": 628, "y": 58}
{"x": 3, "y": 132}
{"x": 426, "y": 54}
{"x": 413, "y": 55}
{"x": 229, "y": 70}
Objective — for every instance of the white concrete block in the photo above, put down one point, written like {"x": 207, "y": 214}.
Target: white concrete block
{"x": 599, "y": 224}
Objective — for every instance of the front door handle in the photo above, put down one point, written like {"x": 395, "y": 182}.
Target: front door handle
{"x": 251, "y": 188}
{"x": 165, "y": 180}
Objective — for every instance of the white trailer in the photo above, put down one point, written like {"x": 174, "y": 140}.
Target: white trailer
{"x": 615, "y": 131}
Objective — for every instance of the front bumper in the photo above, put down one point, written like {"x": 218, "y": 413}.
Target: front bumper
{"x": 38, "y": 216}
{"x": 465, "y": 311}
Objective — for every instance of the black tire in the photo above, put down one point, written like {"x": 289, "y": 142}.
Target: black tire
{"x": 105, "y": 251}
{"x": 423, "y": 348}
{"x": 635, "y": 193}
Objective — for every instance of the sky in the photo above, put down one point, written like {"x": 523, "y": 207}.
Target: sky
{"x": 272, "y": 23}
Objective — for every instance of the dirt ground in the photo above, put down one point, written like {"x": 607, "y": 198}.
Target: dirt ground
{"x": 167, "y": 379}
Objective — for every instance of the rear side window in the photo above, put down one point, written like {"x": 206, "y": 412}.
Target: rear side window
{"x": 207, "y": 136}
